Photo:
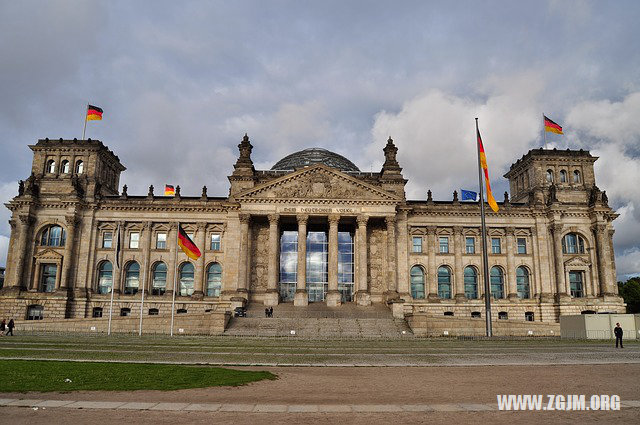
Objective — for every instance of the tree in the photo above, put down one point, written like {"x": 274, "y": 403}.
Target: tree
{"x": 630, "y": 292}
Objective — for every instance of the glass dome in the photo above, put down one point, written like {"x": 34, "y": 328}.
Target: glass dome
{"x": 314, "y": 156}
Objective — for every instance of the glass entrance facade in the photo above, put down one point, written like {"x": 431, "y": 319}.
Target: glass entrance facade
{"x": 345, "y": 265}
{"x": 317, "y": 261}
{"x": 288, "y": 264}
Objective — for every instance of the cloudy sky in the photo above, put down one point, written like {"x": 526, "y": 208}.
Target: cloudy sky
{"x": 181, "y": 82}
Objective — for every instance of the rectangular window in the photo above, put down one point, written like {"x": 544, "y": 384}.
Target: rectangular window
{"x": 495, "y": 246}
{"x": 444, "y": 244}
{"x": 215, "y": 242}
{"x": 522, "y": 245}
{"x": 134, "y": 240}
{"x": 161, "y": 241}
{"x": 417, "y": 244}
{"x": 470, "y": 245}
{"x": 107, "y": 240}
{"x": 48, "y": 274}
{"x": 575, "y": 282}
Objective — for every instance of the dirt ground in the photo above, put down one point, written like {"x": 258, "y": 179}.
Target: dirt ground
{"x": 366, "y": 385}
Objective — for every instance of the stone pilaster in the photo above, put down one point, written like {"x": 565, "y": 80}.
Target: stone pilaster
{"x": 562, "y": 291}
{"x": 243, "y": 260}
{"x": 302, "y": 298}
{"x": 271, "y": 297}
{"x": 172, "y": 243}
{"x": 68, "y": 260}
{"x": 147, "y": 229}
{"x": 605, "y": 258}
{"x": 510, "y": 274}
{"x": 392, "y": 270}
{"x": 362, "y": 294}
{"x": 432, "y": 281}
{"x": 458, "y": 272}
{"x": 117, "y": 271}
{"x": 24, "y": 225}
{"x": 198, "y": 278}
{"x": 402, "y": 255}
{"x": 333, "y": 296}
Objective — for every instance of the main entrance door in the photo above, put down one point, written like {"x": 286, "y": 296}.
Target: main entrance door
{"x": 317, "y": 261}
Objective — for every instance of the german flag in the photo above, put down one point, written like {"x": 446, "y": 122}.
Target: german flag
{"x": 94, "y": 113}
{"x": 169, "y": 190}
{"x": 483, "y": 163}
{"x": 551, "y": 126}
{"x": 187, "y": 244}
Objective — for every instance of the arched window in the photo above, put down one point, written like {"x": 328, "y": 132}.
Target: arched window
{"x": 550, "y": 176}
{"x": 522, "y": 282}
{"x": 563, "y": 176}
{"x": 64, "y": 167}
{"x": 132, "y": 278}
{"x": 105, "y": 277}
{"x": 576, "y": 176}
{"x": 53, "y": 236}
{"x": 444, "y": 282}
{"x": 470, "y": 283}
{"x": 79, "y": 167}
{"x": 159, "y": 281}
{"x": 214, "y": 280}
{"x": 497, "y": 283}
{"x": 417, "y": 282}
{"x": 573, "y": 243}
{"x": 186, "y": 279}
{"x": 51, "y": 166}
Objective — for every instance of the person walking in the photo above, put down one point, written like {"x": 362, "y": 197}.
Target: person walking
{"x": 3, "y": 326}
{"x": 10, "y": 327}
{"x": 617, "y": 331}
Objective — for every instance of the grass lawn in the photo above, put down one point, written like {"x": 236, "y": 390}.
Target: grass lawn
{"x": 28, "y": 375}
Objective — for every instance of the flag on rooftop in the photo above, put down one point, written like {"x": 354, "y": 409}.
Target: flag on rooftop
{"x": 551, "y": 126}
{"x": 169, "y": 190}
{"x": 469, "y": 195}
{"x": 93, "y": 113}
{"x": 483, "y": 163}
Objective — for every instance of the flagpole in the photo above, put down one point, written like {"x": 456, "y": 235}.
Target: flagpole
{"x": 175, "y": 276}
{"x": 116, "y": 272}
{"x": 84, "y": 130}
{"x": 485, "y": 258}
{"x": 544, "y": 132}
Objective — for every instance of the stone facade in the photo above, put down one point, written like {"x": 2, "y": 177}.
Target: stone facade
{"x": 550, "y": 246}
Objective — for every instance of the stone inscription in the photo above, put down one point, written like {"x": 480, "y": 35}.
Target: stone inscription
{"x": 319, "y": 210}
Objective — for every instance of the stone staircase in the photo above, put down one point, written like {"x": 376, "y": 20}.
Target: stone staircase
{"x": 320, "y": 321}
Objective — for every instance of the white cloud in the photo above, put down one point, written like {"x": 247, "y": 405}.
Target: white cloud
{"x": 628, "y": 264}
{"x": 4, "y": 249}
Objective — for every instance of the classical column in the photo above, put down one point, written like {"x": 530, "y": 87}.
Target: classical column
{"x": 458, "y": 272}
{"x": 25, "y": 221}
{"x": 65, "y": 277}
{"x": 271, "y": 297}
{"x": 117, "y": 271}
{"x": 199, "y": 270}
{"x": 243, "y": 262}
{"x": 562, "y": 291}
{"x": 302, "y": 298}
{"x": 363, "y": 297}
{"x": 402, "y": 255}
{"x": 510, "y": 274}
{"x": 431, "y": 272}
{"x": 392, "y": 270}
{"x": 603, "y": 254}
{"x": 172, "y": 266}
{"x": 145, "y": 271}
{"x": 333, "y": 296}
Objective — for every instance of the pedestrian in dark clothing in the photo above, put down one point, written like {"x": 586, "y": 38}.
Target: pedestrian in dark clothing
{"x": 270, "y": 311}
{"x": 617, "y": 331}
{"x": 10, "y": 327}
{"x": 266, "y": 312}
{"x": 3, "y": 325}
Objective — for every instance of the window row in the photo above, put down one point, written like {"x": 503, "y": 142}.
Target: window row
{"x": 65, "y": 167}
{"x": 470, "y": 245}
{"x": 564, "y": 176}
{"x": 186, "y": 273}
{"x": 502, "y": 315}
{"x": 444, "y": 278}
{"x": 160, "y": 240}
{"x": 126, "y": 311}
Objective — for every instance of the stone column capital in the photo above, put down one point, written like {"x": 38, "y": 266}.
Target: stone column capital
{"x": 390, "y": 220}
{"x": 457, "y": 230}
{"x": 511, "y": 231}
{"x": 201, "y": 225}
{"x": 333, "y": 219}
{"x": 244, "y": 218}
{"x": 26, "y": 219}
{"x": 599, "y": 228}
{"x": 173, "y": 226}
{"x": 431, "y": 230}
{"x": 273, "y": 219}
{"x": 362, "y": 220}
{"x": 556, "y": 228}
{"x": 302, "y": 218}
{"x": 147, "y": 225}
{"x": 71, "y": 220}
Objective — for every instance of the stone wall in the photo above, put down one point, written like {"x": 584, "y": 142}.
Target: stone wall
{"x": 423, "y": 324}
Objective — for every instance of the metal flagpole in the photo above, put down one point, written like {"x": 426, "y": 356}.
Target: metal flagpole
{"x": 544, "y": 132}
{"x": 84, "y": 130}
{"x": 116, "y": 271}
{"x": 485, "y": 258}
{"x": 175, "y": 276}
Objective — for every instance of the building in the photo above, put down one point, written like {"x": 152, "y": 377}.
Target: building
{"x": 551, "y": 250}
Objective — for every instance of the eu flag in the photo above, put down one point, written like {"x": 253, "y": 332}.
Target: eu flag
{"x": 468, "y": 195}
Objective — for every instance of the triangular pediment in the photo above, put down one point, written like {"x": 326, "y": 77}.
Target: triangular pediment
{"x": 577, "y": 262}
{"x": 317, "y": 182}
{"x": 48, "y": 254}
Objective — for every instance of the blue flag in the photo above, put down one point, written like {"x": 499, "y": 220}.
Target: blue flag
{"x": 468, "y": 195}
